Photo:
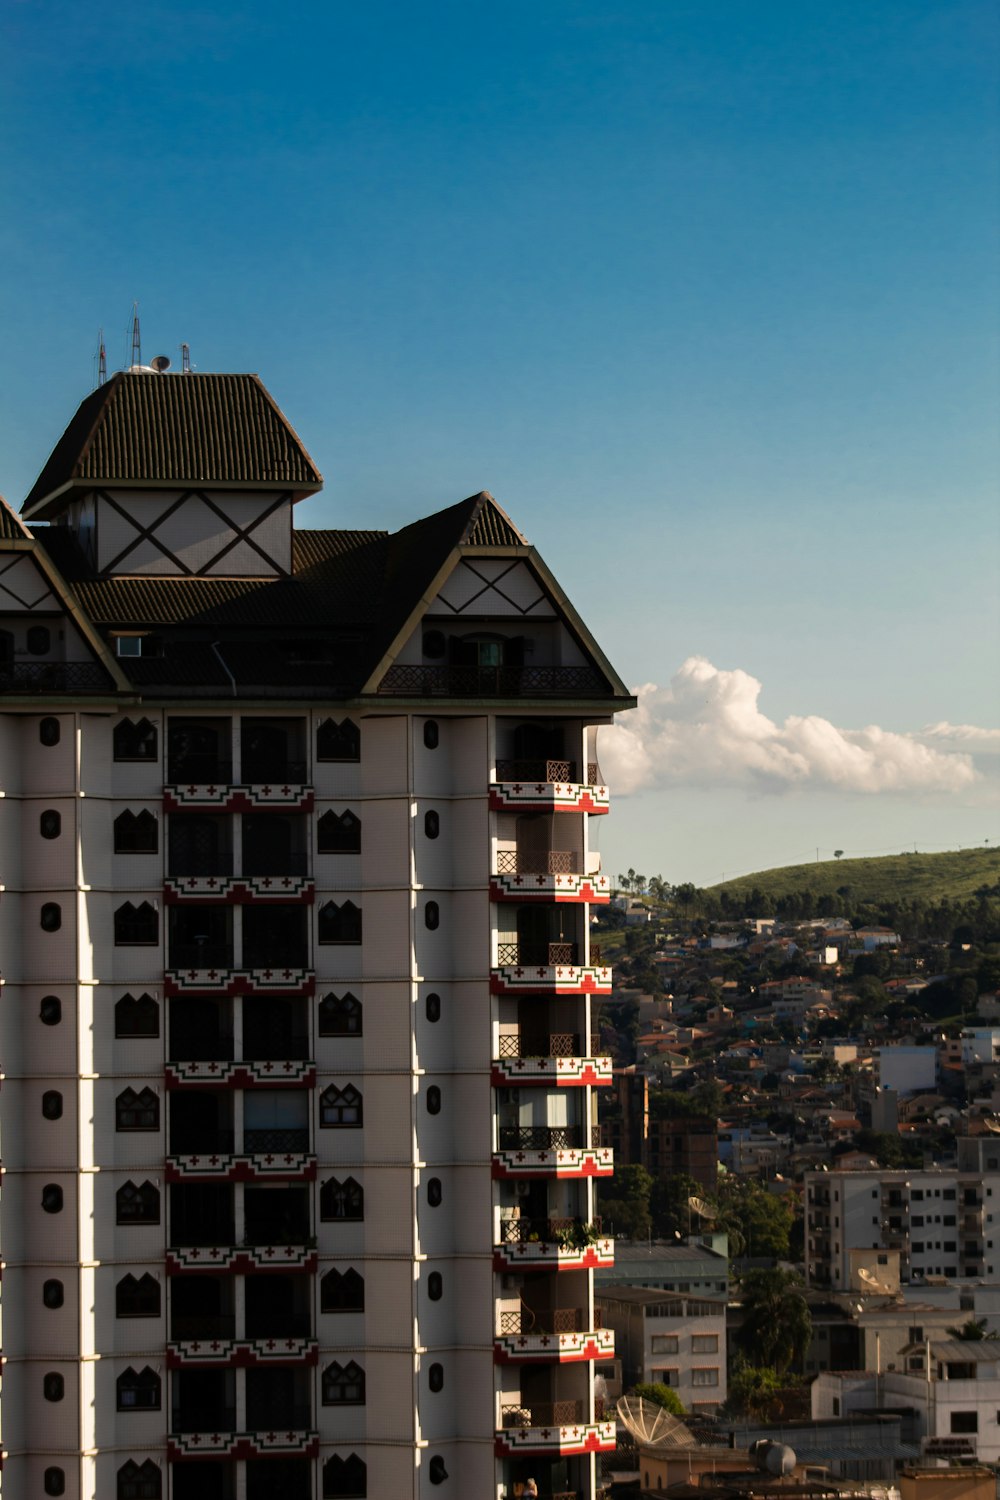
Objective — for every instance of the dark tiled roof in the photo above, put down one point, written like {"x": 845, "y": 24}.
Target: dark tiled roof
{"x": 11, "y": 525}
{"x": 184, "y": 429}
{"x": 489, "y": 526}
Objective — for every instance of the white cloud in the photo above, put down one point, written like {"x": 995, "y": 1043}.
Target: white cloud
{"x": 980, "y": 741}
{"x": 706, "y": 729}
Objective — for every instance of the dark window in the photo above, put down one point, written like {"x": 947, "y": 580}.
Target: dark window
{"x": 342, "y": 1200}
{"x": 49, "y": 731}
{"x": 432, "y": 916}
{"x": 137, "y": 1111}
{"x": 53, "y": 1386}
{"x": 338, "y": 741}
{"x": 134, "y": 741}
{"x": 52, "y": 1198}
{"x": 432, "y": 824}
{"x": 52, "y": 1104}
{"x": 340, "y": 924}
{"x": 136, "y": 833}
{"x": 54, "y": 1481}
{"x": 50, "y": 1010}
{"x": 435, "y": 1286}
{"x": 139, "y": 1391}
{"x": 137, "y": 1017}
{"x": 432, "y": 1007}
{"x": 50, "y": 917}
{"x": 340, "y": 1015}
{"x": 432, "y": 735}
{"x": 338, "y": 833}
{"x": 343, "y": 1385}
{"x": 965, "y": 1421}
{"x": 137, "y": 1205}
{"x": 53, "y": 1294}
{"x": 345, "y": 1478}
{"x": 39, "y": 639}
{"x": 140, "y": 1482}
{"x": 435, "y": 644}
{"x": 341, "y": 1108}
{"x": 136, "y": 925}
{"x": 435, "y": 1378}
{"x": 50, "y": 824}
{"x": 433, "y": 1100}
{"x": 137, "y": 1298}
{"x": 437, "y": 1471}
{"x": 434, "y": 1192}
{"x": 342, "y": 1292}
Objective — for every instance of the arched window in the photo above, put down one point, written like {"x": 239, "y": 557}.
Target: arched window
{"x": 52, "y": 1198}
{"x": 343, "y": 1385}
{"x": 435, "y": 1286}
{"x": 340, "y": 1015}
{"x": 53, "y": 1293}
{"x": 338, "y": 833}
{"x": 434, "y": 1192}
{"x": 338, "y": 741}
{"x": 341, "y": 1109}
{"x": 345, "y": 1478}
{"x": 50, "y": 1010}
{"x": 137, "y": 1298}
{"x": 137, "y": 1111}
{"x": 435, "y": 1378}
{"x": 432, "y": 916}
{"x": 52, "y": 1104}
{"x": 340, "y": 924}
{"x": 137, "y": 1017}
{"x": 432, "y": 823}
{"x": 138, "y": 1392}
{"x": 342, "y": 1292}
{"x": 134, "y": 741}
{"x": 136, "y": 833}
{"x": 342, "y": 1200}
{"x": 38, "y": 640}
{"x": 50, "y": 823}
{"x": 53, "y": 1386}
{"x": 49, "y": 730}
{"x": 50, "y": 917}
{"x": 137, "y": 1205}
{"x": 139, "y": 1482}
{"x": 136, "y": 926}
{"x": 433, "y": 1100}
{"x": 432, "y": 1007}
{"x": 54, "y": 1480}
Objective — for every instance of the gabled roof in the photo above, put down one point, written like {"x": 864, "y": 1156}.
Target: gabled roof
{"x": 12, "y": 528}
{"x": 175, "y": 429}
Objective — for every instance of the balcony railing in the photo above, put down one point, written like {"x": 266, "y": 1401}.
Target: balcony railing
{"x": 542, "y": 1137}
{"x": 546, "y": 771}
{"x": 264, "y": 1413}
{"x": 203, "y": 1418}
{"x": 287, "y": 862}
{"x": 276, "y": 1232}
{"x": 53, "y": 677}
{"x": 200, "y": 770}
{"x": 572, "y": 1233}
{"x": 195, "y": 1046}
{"x": 551, "y": 1320}
{"x": 219, "y": 863}
{"x": 192, "y": 1140}
{"x": 493, "y": 682}
{"x": 258, "y": 769}
{"x": 547, "y": 862}
{"x": 283, "y": 955}
{"x": 207, "y": 955}
{"x": 201, "y": 1234}
{"x": 548, "y": 1413}
{"x": 554, "y": 1044}
{"x": 276, "y": 1139}
{"x": 547, "y": 955}
{"x": 264, "y": 1042}
{"x": 188, "y": 1326}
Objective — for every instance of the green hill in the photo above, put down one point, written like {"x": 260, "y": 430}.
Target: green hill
{"x": 955, "y": 876}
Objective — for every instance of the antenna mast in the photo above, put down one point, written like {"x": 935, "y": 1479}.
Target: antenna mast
{"x": 185, "y": 359}
{"x": 136, "y": 341}
{"x": 102, "y": 358}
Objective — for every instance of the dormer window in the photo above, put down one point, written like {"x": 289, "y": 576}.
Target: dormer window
{"x": 129, "y": 645}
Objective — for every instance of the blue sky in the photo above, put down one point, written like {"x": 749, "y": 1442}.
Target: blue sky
{"x": 705, "y": 293}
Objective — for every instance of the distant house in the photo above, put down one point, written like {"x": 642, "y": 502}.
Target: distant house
{"x": 672, "y": 1339}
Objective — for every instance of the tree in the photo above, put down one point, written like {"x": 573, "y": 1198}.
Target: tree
{"x": 753, "y": 1390}
{"x": 972, "y": 1330}
{"x": 838, "y": 853}
{"x": 777, "y": 1323}
{"x": 756, "y": 1221}
{"x": 662, "y": 1395}
{"x": 627, "y": 1201}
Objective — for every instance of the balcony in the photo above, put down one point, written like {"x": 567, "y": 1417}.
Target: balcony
{"x": 551, "y": 1151}
{"x": 257, "y": 770}
{"x": 281, "y": 1348}
{"x": 402, "y": 681}
{"x": 550, "y": 876}
{"x": 54, "y": 677}
{"x": 275, "y": 1139}
{"x": 543, "y": 1137}
{"x": 206, "y": 1166}
{"x": 547, "y": 969}
{"x": 559, "y": 1244}
{"x": 554, "y": 1427}
{"x": 202, "y": 1326}
{"x": 202, "y": 1418}
{"x": 241, "y": 1260}
{"x": 200, "y": 955}
{"x": 556, "y": 1058}
{"x": 562, "y": 1335}
{"x": 207, "y": 1439}
{"x": 547, "y": 786}
{"x": 223, "y": 980}
{"x": 210, "y": 788}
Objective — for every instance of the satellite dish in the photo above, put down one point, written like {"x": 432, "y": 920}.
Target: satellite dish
{"x": 869, "y": 1279}
{"x": 993, "y": 1126}
{"x": 701, "y": 1208}
{"x": 650, "y": 1424}
{"x": 160, "y": 363}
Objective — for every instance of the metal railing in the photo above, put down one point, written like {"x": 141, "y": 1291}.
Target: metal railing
{"x": 180, "y": 865}
{"x": 186, "y": 1326}
{"x": 203, "y": 1418}
{"x": 53, "y": 677}
{"x": 200, "y": 1140}
{"x": 293, "y": 1138}
{"x": 552, "y": 1320}
{"x": 548, "y": 1413}
{"x": 279, "y": 1324}
{"x": 548, "y": 862}
{"x": 492, "y": 682}
{"x": 546, "y": 771}
{"x": 193, "y": 1046}
{"x": 199, "y": 770}
{"x": 207, "y": 955}
{"x": 273, "y": 1043}
{"x": 264, "y": 1412}
{"x": 556, "y": 1044}
{"x": 273, "y": 1232}
{"x": 541, "y": 1137}
{"x": 547, "y": 955}
{"x": 287, "y": 862}
{"x": 548, "y": 1231}
{"x": 256, "y": 770}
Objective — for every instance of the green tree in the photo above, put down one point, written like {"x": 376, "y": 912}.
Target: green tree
{"x": 752, "y": 1392}
{"x": 626, "y": 1203}
{"x": 661, "y": 1395}
{"x": 972, "y": 1330}
{"x": 672, "y": 1214}
{"x": 777, "y": 1324}
{"x": 757, "y": 1222}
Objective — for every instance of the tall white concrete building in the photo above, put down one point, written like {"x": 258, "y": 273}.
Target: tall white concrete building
{"x": 298, "y": 1110}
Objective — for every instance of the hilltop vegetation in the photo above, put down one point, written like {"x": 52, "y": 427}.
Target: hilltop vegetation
{"x": 955, "y": 876}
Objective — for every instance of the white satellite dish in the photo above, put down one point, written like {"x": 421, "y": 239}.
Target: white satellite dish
{"x": 993, "y": 1126}
{"x": 160, "y": 363}
{"x": 869, "y": 1280}
{"x": 701, "y": 1208}
{"x": 650, "y": 1424}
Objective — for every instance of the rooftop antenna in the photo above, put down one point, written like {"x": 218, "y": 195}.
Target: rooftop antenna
{"x": 136, "y": 340}
{"x": 102, "y": 358}
{"x": 185, "y": 359}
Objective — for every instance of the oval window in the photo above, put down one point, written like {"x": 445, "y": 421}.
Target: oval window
{"x": 53, "y": 1386}
{"x": 52, "y": 1293}
{"x": 50, "y": 916}
{"x": 50, "y": 1010}
{"x": 432, "y": 735}
{"x": 435, "y": 1377}
{"x": 432, "y": 824}
{"x": 39, "y": 639}
{"x": 50, "y": 824}
{"x": 434, "y": 1193}
{"x": 432, "y": 1007}
{"x": 438, "y": 1472}
{"x": 435, "y": 1286}
{"x": 49, "y": 731}
{"x": 433, "y": 1100}
{"x": 432, "y": 916}
{"x": 54, "y": 1481}
{"x": 52, "y": 1198}
{"x": 52, "y": 1104}
{"x": 435, "y": 644}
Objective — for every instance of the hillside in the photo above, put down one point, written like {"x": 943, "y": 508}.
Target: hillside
{"x": 955, "y": 876}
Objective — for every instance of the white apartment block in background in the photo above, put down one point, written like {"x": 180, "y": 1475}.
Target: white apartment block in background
{"x": 671, "y": 1340}
{"x": 298, "y": 1116}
